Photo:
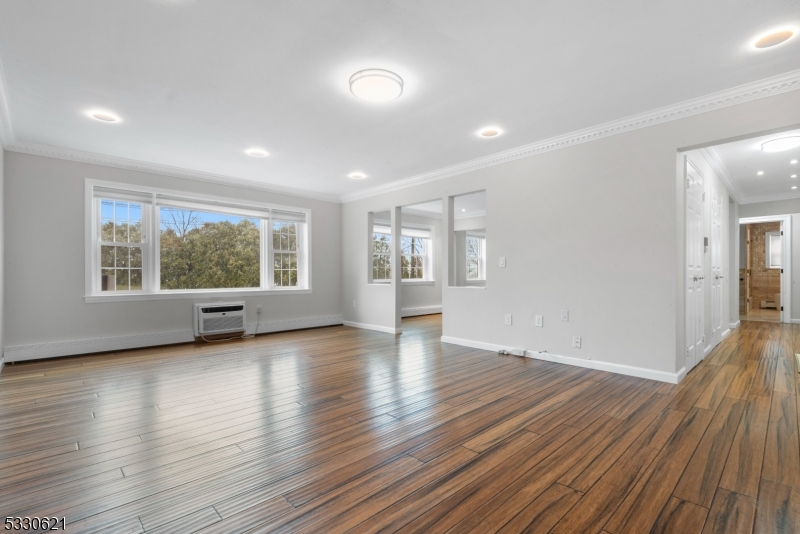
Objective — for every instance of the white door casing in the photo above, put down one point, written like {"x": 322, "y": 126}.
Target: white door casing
{"x": 716, "y": 267}
{"x": 695, "y": 306}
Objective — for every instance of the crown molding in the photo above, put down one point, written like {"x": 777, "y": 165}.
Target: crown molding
{"x": 163, "y": 170}
{"x": 775, "y": 85}
{"x": 717, "y": 162}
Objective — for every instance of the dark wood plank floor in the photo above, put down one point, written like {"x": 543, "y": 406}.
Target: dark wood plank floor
{"x": 345, "y": 430}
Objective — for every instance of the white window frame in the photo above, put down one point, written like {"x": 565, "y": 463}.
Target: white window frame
{"x": 481, "y": 260}
{"x": 430, "y": 247}
{"x": 151, "y": 249}
{"x": 768, "y": 252}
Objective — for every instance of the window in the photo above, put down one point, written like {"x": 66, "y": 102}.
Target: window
{"x": 284, "y": 252}
{"x": 773, "y": 252}
{"x": 381, "y": 254}
{"x": 416, "y": 261}
{"x": 157, "y": 243}
{"x": 476, "y": 254}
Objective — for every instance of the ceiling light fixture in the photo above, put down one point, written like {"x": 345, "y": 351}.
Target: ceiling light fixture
{"x": 103, "y": 116}
{"x": 357, "y": 175}
{"x": 779, "y": 145}
{"x": 794, "y": 187}
{"x": 793, "y": 176}
{"x": 490, "y": 131}
{"x": 257, "y": 152}
{"x": 376, "y": 85}
{"x": 463, "y": 209}
{"x": 773, "y": 38}
{"x": 793, "y": 162}
{"x": 760, "y": 173}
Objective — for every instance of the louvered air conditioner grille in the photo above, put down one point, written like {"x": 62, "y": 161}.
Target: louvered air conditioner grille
{"x": 219, "y": 324}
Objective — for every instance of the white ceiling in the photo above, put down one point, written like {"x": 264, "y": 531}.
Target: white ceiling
{"x": 744, "y": 159}
{"x": 197, "y": 82}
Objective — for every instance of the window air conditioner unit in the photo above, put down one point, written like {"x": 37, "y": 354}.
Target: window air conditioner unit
{"x": 219, "y": 318}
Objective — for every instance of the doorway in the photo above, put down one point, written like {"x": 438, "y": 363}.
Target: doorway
{"x": 762, "y": 270}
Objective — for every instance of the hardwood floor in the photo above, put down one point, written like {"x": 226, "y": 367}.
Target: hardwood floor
{"x": 346, "y": 430}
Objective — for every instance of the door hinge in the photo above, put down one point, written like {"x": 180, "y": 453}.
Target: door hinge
{"x": 781, "y": 232}
{"x": 703, "y": 340}
{"x": 781, "y": 270}
{"x": 704, "y": 196}
{"x": 781, "y": 308}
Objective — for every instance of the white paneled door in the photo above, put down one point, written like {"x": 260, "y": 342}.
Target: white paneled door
{"x": 695, "y": 309}
{"x": 716, "y": 266}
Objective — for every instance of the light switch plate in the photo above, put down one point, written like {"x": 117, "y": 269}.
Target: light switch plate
{"x": 565, "y": 315}
{"x": 508, "y": 319}
{"x": 576, "y": 342}
{"x": 502, "y": 261}
{"x": 539, "y": 321}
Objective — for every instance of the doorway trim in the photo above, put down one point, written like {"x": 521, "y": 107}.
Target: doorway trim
{"x": 786, "y": 257}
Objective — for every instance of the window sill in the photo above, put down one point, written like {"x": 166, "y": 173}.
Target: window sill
{"x": 419, "y": 282}
{"x": 192, "y": 295}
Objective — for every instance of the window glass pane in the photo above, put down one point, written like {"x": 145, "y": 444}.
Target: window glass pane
{"x": 107, "y": 209}
{"x": 107, "y": 230}
{"x": 122, "y": 257}
{"x": 107, "y": 256}
{"x": 136, "y": 279}
{"x": 136, "y": 257}
{"x": 108, "y": 280}
{"x": 203, "y": 250}
{"x": 122, "y": 279}
{"x": 121, "y": 232}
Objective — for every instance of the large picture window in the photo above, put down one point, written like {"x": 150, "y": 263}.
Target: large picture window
{"x": 157, "y": 243}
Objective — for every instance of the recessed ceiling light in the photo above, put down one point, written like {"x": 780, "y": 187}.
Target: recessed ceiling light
{"x": 257, "y": 152}
{"x": 779, "y": 145}
{"x": 793, "y": 162}
{"x": 357, "y": 175}
{"x": 463, "y": 209}
{"x": 793, "y": 176}
{"x": 760, "y": 173}
{"x": 103, "y": 116}
{"x": 773, "y": 38}
{"x": 376, "y": 85}
{"x": 794, "y": 187}
{"x": 490, "y": 131}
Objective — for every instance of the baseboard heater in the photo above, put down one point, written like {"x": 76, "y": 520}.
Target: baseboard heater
{"x": 219, "y": 318}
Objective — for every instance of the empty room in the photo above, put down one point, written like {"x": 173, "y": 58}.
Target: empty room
{"x": 400, "y": 266}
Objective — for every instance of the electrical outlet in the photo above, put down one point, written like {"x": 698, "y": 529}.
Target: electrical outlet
{"x": 508, "y": 319}
{"x": 539, "y": 321}
{"x": 576, "y": 342}
{"x": 502, "y": 261}
{"x": 565, "y": 315}
{"x": 258, "y": 310}
{"x": 354, "y": 303}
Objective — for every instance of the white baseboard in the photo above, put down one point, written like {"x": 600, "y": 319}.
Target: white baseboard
{"x": 681, "y": 375}
{"x": 725, "y": 334}
{"x": 425, "y": 310}
{"x": 375, "y": 327}
{"x": 737, "y": 324}
{"x": 19, "y": 353}
{"x": 628, "y": 370}
{"x": 707, "y": 350}
{"x": 794, "y": 321}
{"x": 2, "y": 363}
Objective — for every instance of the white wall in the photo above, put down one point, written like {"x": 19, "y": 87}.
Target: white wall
{"x": 44, "y": 304}
{"x": 783, "y": 207}
{"x": 596, "y": 228}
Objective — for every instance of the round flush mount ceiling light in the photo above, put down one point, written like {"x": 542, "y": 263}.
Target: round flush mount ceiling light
{"x": 103, "y": 116}
{"x": 793, "y": 162}
{"x": 794, "y": 187}
{"x": 376, "y": 85}
{"x": 357, "y": 175}
{"x": 489, "y": 131}
{"x": 257, "y": 152}
{"x": 779, "y": 145}
{"x": 760, "y": 173}
{"x": 773, "y": 38}
{"x": 793, "y": 176}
